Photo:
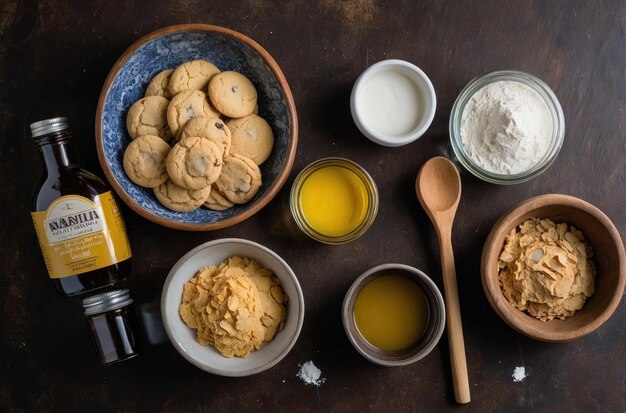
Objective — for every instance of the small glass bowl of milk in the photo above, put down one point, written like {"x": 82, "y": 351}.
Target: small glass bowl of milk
{"x": 393, "y": 102}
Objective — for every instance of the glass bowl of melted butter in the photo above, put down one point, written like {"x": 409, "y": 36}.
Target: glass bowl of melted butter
{"x": 334, "y": 200}
{"x": 394, "y": 315}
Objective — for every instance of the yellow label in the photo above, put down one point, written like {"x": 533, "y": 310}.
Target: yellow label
{"x": 78, "y": 235}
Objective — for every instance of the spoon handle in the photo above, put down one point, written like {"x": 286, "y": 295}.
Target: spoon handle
{"x": 455, "y": 328}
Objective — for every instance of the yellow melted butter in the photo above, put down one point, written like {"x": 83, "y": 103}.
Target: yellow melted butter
{"x": 333, "y": 201}
{"x": 391, "y": 312}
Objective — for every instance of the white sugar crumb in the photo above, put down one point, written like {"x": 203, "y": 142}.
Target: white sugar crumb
{"x": 310, "y": 374}
{"x": 519, "y": 374}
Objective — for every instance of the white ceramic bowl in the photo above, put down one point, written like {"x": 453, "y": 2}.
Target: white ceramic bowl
{"x": 393, "y": 102}
{"x": 206, "y": 357}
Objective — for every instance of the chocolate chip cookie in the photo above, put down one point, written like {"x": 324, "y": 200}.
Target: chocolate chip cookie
{"x": 194, "y": 163}
{"x": 232, "y": 94}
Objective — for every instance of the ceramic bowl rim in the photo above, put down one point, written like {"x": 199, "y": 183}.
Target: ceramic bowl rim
{"x": 289, "y": 103}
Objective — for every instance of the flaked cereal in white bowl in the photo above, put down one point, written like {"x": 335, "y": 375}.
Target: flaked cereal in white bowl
{"x": 232, "y": 307}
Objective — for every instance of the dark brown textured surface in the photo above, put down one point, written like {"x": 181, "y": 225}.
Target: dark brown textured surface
{"x": 54, "y": 57}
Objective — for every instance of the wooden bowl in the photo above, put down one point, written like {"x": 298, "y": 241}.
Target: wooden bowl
{"x": 167, "y": 48}
{"x": 609, "y": 259}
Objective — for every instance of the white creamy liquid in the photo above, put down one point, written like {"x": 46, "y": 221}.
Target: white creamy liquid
{"x": 390, "y": 103}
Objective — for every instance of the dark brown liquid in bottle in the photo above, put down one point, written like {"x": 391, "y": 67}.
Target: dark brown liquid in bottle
{"x": 62, "y": 176}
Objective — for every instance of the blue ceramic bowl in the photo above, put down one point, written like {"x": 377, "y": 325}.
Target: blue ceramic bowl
{"x": 167, "y": 48}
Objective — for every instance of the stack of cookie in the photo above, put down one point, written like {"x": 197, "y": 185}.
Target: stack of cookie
{"x": 218, "y": 140}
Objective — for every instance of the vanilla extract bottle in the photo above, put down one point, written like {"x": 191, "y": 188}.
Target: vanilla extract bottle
{"x": 79, "y": 225}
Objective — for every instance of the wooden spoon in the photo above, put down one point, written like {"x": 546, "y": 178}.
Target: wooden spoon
{"x": 438, "y": 188}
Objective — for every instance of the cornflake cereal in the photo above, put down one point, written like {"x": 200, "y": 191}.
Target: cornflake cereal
{"x": 234, "y": 307}
{"x": 546, "y": 269}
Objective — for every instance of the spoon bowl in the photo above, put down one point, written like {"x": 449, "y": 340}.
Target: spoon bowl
{"x": 438, "y": 185}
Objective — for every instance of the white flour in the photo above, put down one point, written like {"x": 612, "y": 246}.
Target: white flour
{"x": 506, "y": 127}
{"x": 310, "y": 374}
{"x": 519, "y": 374}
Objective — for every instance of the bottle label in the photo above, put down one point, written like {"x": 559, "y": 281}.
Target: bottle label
{"x": 78, "y": 235}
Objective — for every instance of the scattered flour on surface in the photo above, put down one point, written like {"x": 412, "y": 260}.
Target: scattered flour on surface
{"x": 310, "y": 374}
{"x": 519, "y": 374}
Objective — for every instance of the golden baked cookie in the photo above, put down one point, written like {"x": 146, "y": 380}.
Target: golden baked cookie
{"x": 240, "y": 179}
{"x": 217, "y": 201}
{"x": 194, "y": 163}
{"x": 232, "y": 94}
{"x": 194, "y": 74}
{"x": 148, "y": 116}
{"x": 212, "y": 129}
{"x": 187, "y": 105}
{"x": 144, "y": 161}
{"x": 251, "y": 137}
{"x": 159, "y": 85}
{"x": 180, "y": 199}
